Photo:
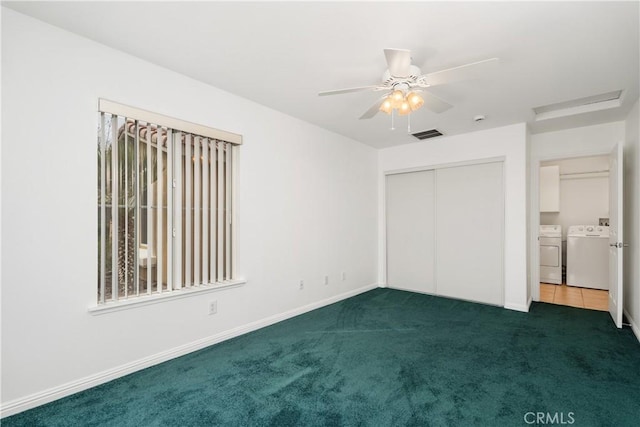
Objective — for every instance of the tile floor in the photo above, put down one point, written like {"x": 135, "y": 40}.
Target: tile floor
{"x": 593, "y": 299}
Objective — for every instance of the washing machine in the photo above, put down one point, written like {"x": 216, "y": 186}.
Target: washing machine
{"x": 588, "y": 256}
{"x": 551, "y": 254}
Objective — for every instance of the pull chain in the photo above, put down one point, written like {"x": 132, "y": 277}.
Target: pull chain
{"x": 409, "y": 123}
{"x": 392, "y": 127}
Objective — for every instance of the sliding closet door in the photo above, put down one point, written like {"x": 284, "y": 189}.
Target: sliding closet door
{"x": 410, "y": 231}
{"x": 469, "y": 236}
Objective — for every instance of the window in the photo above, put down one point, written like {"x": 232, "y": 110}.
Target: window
{"x": 165, "y": 204}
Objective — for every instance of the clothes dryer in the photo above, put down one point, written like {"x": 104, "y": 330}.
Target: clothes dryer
{"x": 551, "y": 254}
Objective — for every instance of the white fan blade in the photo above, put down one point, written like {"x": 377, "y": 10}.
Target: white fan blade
{"x": 463, "y": 72}
{"x": 435, "y": 104}
{"x": 348, "y": 90}
{"x": 398, "y": 61}
{"x": 374, "y": 108}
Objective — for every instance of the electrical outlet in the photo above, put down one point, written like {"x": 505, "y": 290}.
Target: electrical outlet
{"x": 326, "y": 280}
{"x": 213, "y": 307}
{"x": 344, "y": 276}
{"x": 301, "y": 284}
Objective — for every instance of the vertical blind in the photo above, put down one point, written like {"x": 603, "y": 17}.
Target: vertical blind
{"x": 165, "y": 199}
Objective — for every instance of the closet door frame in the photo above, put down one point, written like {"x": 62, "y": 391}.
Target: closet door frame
{"x": 435, "y": 166}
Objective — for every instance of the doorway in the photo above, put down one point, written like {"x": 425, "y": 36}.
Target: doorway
{"x": 585, "y": 176}
{"x": 574, "y": 192}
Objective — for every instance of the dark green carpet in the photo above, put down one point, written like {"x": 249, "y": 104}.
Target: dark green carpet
{"x": 382, "y": 358}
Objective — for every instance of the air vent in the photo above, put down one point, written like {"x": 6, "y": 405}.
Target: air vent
{"x": 426, "y": 134}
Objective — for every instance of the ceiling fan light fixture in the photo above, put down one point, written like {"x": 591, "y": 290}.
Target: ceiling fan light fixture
{"x": 403, "y": 84}
{"x": 415, "y": 101}
{"x": 404, "y": 108}
{"x": 397, "y": 97}
{"x": 387, "y": 106}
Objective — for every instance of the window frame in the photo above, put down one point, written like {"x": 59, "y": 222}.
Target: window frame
{"x": 178, "y": 128}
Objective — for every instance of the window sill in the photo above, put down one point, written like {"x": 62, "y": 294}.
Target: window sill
{"x": 158, "y": 298}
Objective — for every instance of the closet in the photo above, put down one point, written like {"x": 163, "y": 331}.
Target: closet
{"x": 444, "y": 231}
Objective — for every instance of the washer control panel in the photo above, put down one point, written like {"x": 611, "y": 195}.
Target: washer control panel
{"x": 588, "y": 231}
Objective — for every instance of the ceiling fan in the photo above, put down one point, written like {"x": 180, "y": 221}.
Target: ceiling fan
{"x": 404, "y": 84}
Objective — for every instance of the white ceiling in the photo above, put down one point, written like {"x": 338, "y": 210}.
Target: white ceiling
{"x": 282, "y": 54}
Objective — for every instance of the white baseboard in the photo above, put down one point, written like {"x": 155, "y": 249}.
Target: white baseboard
{"x": 519, "y": 307}
{"x": 634, "y": 326}
{"x": 46, "y": 396}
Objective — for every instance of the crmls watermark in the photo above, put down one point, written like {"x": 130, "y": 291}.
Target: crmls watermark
{"x": 549, "y": 418}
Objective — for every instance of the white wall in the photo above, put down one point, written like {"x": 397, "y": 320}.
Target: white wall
{"x": 570, "y": 143}
{"x": 576, "y": 142}
{"x": 632, "y": 220}
{"x": 507, "y": 142}
{"x": 306, "y": 208}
